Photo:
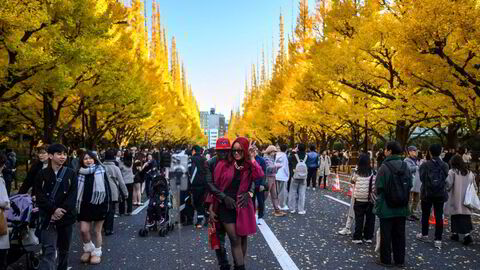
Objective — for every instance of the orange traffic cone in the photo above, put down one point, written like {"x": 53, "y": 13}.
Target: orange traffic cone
{"x": 350, "y": 191}
{"x": 336, "y": 185}
{"x": 432, "y": 219}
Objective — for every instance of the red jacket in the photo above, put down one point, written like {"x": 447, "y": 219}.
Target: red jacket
{"x": 224, "y": 173}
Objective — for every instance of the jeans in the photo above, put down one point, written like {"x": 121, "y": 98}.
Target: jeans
{"x": 392, "y": 238}
{"x": 297, "y": 192}
{"x": 312, "y": 177}
{"x": 128, "y": 201}
{"x": 260, "y": 197}
{"x": 282, "y": 193}
{"x": 438, "y": 208}
{"x": 52, "y": 239}
{"x": 364, "y": 220}
{"x": 272, "y": 190}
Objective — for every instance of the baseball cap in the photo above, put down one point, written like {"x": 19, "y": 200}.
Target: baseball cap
{"x": 223, "y": 144}
{"x": 412, "y": 148}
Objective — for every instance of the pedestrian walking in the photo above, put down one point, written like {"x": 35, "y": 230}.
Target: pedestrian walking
{"x": 282, "y": 177}
{"x": 271, "y": 171}
{"x": 198, "y": 183}
{"x": 298, "y": 187}
{"x": 433, "y": 175}
{"x": 56, "y": 194}
{"x": 392, "y": 185}
{"x": 324, "y": 172}
{"x": 37, "y": 166}
{"x": 93, "y": 203}
{"x": 126, "y": 168}
{"x": 117, "y": 187}
{"x": 4, "y": 205}
{"x": 312, "y": 164}
{"x": 260, "y": 185}
{"x": 137, "y": 182}
{"x": 364, "y": 180}
{"x": 413, "y": 165}
{"x": 458, "y": 179}
{"x": 236, "y": 178}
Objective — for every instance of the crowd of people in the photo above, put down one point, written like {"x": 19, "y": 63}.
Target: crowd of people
{"x": 228, "y": 189}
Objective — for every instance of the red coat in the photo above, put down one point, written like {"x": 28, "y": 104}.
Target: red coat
{"x": 224, "y": 172}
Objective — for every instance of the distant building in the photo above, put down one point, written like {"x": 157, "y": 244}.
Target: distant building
{"x": 213, "y": 125}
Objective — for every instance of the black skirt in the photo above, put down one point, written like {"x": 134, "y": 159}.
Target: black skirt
{"x": 225, "y": 215}
{"x": 462, "y": 224}
{"x": 93, "y": 212}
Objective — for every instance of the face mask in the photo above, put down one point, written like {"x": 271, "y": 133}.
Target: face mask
{"x": 117, "y": 158}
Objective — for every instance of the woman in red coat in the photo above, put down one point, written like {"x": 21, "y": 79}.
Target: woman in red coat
{"x": 234, "y": 177}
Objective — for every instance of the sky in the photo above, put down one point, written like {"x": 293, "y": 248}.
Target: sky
{"x": 220, "y": 40}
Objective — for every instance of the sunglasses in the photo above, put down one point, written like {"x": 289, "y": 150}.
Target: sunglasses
{"x": 238, "y": 151}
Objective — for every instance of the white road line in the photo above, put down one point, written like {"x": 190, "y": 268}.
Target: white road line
{"x": 282, "y": 256}
{"x": 139, "y": 209}
{"x": 337, "y": 200}
{"x": 475, "y": 214}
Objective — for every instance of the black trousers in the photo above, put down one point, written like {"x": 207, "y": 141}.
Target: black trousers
{"x": 260, "y": 197}
{"x": 312, "y": 177}
{"x": 128, "y": 201}
{"x": 186, "y": 215}
{"x": 109, "y": 219}
{"x": 426, "y": 209}
{"x": 198, "y": 195}
{"x": 3, "y": 259}
{"x": 324, "y": 181}
{"x": 392, "y": 239}
{"x": 364, "y": 220}
{"x": 54, "y": 238}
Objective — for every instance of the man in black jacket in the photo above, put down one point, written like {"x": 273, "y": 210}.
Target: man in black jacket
{"x": 198, "y": 182}
{"x": 433, "y": 193}
{"x": 56, "y": 193}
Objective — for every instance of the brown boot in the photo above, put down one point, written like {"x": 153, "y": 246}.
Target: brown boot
{"x": 279, "y": 213}
{"x": 96, "y": 257}
{"x": 87, "y": 250}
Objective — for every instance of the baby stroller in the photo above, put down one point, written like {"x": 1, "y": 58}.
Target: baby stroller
{"x": 159, "y": 205}
{"x": 22, "y": 221}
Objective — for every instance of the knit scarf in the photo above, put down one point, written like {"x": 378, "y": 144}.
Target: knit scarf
{"x": 98, "y": 192}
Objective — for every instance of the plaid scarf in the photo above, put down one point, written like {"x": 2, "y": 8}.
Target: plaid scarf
{"x": 98, "y": 192}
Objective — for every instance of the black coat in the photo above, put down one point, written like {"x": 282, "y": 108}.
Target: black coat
{"x": 29, "y": 181}
{"x": 200, "y": 179}
{"x": 66, "y": 196}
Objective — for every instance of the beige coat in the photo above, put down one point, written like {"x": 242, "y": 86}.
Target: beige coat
{"x": 457, "y": 185}
{"x": 115, "y": 179}
{"x": 4, "y": 204}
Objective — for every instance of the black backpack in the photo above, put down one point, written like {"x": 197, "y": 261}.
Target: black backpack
{"x": 397, "y": 188}
{"x": 435, "y": 184}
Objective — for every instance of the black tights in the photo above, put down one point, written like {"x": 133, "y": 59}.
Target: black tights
{"x": 238, "y": 243}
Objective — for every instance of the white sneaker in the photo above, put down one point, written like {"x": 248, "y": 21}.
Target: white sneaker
{"x": 292, "y": 212}
{"x": 302, "y": 212}
{"x": 358, "y": 242}
{"x": 345, "y": 231}
{"x": 284, "y": 208}
{"x": 437, "y": 244}
{"x": 313, "y": 189}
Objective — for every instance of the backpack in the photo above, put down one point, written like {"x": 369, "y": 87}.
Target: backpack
{"x": 301, "y": 170}
{"x": 435, "y": 184}
{"x": 397, "y": 188}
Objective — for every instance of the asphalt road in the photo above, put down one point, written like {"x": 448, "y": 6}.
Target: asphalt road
{"x": 309, "y": 240}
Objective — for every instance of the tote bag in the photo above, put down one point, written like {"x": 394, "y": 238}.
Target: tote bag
{"x": 471, "y": 198}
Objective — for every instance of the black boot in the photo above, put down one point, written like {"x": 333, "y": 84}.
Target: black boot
{"x": 239, "y": 267}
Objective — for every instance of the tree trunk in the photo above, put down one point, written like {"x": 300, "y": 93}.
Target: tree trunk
{"x": 48, "y": 117}
{"x": 292, "y": 135}
{"x": 402, "y": 132}
{"x": 452, "y": 135}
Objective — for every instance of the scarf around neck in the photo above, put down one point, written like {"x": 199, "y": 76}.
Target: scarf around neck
{"x": 99, "y": 191}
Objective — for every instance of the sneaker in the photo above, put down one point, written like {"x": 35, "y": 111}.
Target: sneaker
{"x": 292, "y": 212}
{"x": 437, "y": 244}
{"x": 368, "y": 241}
{"x": 358, "y": 242}
{"x": 454, "y": 237}
{"x": 423, "y": 238}
{"x": 284, "y": 208}
{"x": 467, "y": 240}
{"x": 302, "y": 212}
{"x": 345, "y": 231}
{"x": 313, "y": 189}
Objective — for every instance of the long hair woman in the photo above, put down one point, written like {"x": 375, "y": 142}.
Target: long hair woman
{"x": 364, "y": 180}
{"x": 126, "y": 167}
{"x": 235, "y": 179}
{"x": 93, "y": 199}
{"x": 458, "y": 180}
